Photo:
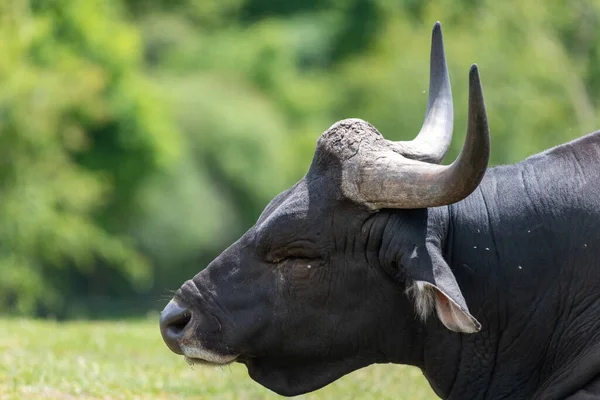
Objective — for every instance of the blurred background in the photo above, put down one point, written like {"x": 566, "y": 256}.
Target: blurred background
{"x": 139, "y": 138}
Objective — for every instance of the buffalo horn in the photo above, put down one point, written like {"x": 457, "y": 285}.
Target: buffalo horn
{"x": 433, "y": 140}
{"x": 388, "y": 179}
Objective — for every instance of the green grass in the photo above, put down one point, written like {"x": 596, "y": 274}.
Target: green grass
{"x": 128, "y": 360}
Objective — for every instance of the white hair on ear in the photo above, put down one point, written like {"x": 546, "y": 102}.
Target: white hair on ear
{"x": 423, "y": 296}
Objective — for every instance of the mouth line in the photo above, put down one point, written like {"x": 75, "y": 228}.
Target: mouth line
{"x": 199, "y": 361}
{"x": 200, "y": 355}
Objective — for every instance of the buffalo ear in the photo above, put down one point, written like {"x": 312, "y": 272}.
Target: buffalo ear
{"x": 433, "y": 283}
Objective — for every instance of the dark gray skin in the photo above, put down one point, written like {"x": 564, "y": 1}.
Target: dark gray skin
{"x": 317, "y": 287}
{"x": 524, "y": 249}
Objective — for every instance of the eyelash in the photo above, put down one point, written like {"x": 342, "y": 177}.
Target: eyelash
{"x": 281, "y": 254}
{"x": 278, "y": 260}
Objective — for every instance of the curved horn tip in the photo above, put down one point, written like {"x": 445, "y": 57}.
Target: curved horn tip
{"x": 474, "y": 74}
{"x": 475, "y": 89}
{"x": 437, "y": 41}
{"x": 437, "y": 29}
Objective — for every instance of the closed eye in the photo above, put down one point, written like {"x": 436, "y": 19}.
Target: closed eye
{"x": 292, "y": 252}
{"x": 291, "y": 258}
{"x": 279, "y": 260}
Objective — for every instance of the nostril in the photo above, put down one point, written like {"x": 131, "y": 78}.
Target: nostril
{"x": 177, "y": 326}
{"x": 173, "y": 321}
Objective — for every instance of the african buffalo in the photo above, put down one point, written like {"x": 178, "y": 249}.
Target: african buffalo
{"x": 343, "y": 269}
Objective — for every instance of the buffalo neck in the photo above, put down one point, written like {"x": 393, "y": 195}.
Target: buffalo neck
{"x": 521, "y": 249}
{"x": 455, "y": 364}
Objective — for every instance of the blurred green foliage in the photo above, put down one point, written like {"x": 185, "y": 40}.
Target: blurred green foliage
{"x": 138, "y": 138}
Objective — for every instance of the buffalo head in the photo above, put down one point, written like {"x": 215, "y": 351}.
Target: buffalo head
{"x": 336, "y": 271}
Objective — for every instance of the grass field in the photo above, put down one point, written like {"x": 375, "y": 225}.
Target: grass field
{"x": 127, "y": 360}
